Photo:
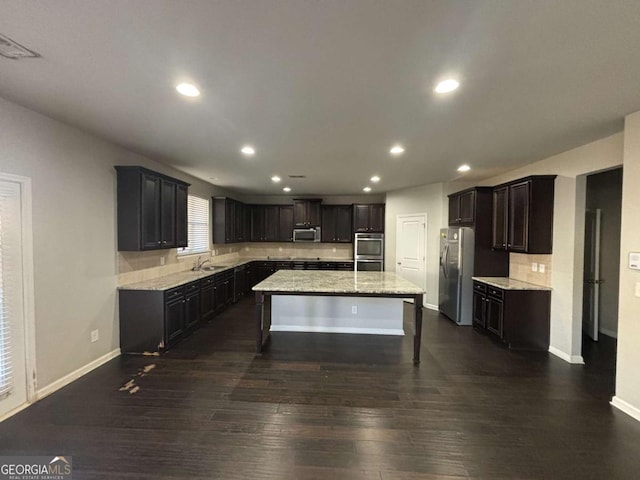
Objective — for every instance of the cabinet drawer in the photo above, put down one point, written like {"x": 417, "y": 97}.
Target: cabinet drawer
{"x": 206, "y": 281}
{"x": 495, "y": 292}
{"x": 174, "y": 293}
{"x": 191, "y": 287}
{"x": 479, "y": 287}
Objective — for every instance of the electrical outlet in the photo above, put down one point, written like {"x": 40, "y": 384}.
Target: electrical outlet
{"x": 94, "y": 335}
{"x": 541, "y": 268}
{"x": 637, "y": 289}
{"x": 354, "y": 309}
{"x": 279, "y": 249}
{"x": 334, "y": 249}
{"x": 161, "y": 261}
{"x": 534, "y": 267}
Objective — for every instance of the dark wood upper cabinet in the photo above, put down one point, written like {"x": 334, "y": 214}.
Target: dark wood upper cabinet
{"x": 230, "y": 221}
{"x": 168, "y": 213}
{"x": 265, "y": 223}
{"x": 182, "y": 234}
{"x": 151, "y": 235}
{"x": 286, "y": 223}
{"x": 271, "y": 223}
{"x": 519, "y": 217}
{"x": 462, "y": 208}
{"x": 306, "y": 212}
{"x": 336, "y": 223}
{"x": 151, "y": 210}
{"x": 368, "y": 218}
{"x": 523, "y": 215}
{"x": 500, "y": 235}
{"x": 257, "y": 223}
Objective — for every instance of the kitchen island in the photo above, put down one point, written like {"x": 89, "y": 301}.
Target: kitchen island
{"x": 334, "y": 284}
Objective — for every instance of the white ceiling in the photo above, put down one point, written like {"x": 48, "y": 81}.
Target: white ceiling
{"x": 325, "y": 88}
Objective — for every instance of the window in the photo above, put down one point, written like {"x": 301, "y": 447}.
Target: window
{"x": 11, "y": 351}
{"x": 198, "y": 226}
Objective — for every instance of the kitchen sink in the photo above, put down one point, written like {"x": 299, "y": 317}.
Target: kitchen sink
{"x": 213, "y": 268}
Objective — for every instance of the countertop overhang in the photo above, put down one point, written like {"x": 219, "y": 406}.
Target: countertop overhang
{"x": 331, "y": 282}
{"x": 506, "y": 283}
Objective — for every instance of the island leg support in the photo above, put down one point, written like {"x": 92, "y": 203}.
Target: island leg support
{"x": 259, "y": 320}
{"x": 418, "y": 333}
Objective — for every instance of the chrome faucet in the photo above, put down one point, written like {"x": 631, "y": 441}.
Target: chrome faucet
{"x": 198, "y": 265}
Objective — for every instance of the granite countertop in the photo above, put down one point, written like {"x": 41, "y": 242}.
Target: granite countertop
{"x": 181, "y": 278}
{"x": 506, "y": 283}
{"x": 314, "y": 281}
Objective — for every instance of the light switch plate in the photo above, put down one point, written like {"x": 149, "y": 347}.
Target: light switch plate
{"x": 634, "y": 260}
{"x": 541, "y": 268}
{"x": 534, "y": 267}
{"x": 637, "y": 289}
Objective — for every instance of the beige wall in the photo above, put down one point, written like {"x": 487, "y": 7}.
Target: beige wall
{"x": 426, "y": 199}
{"x": 74, "y": 234}
{"x": 627, "y": 375}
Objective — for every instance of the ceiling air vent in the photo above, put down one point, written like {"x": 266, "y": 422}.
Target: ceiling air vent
{"x": 297, "y": 176}
{"x": 13, "y": 50}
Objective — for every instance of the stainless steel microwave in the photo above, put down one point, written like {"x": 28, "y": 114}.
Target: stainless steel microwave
{"x": 306, "y": 234}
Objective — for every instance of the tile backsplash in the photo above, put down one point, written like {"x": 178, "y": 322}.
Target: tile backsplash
{"x": 140, "y": 266}
{"x": 520, "y": 268}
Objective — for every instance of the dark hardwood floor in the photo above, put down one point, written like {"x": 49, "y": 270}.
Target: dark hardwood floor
{"x": 326, "y": 406}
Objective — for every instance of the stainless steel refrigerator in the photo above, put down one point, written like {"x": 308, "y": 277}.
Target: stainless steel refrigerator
{"x": 456, "y": 270}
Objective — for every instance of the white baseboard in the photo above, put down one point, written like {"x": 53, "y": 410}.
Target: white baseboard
{"x": 67, "y": 379}
{"x": 608, "y": 333}
{"x": 14, "y": 411}
{"x": 431, "y": 306}
{"x": 627, "y": 408}
{"x": 366, "y": 331}
{"x": 576, "y": 359}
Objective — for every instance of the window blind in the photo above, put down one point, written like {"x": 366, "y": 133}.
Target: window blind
{"x": 10, "y": 270}
{"x": 198, "y": 226}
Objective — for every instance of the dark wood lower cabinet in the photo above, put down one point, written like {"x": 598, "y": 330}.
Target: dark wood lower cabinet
{"x": 154, "y": 320}
{"x": 519, "y": 318}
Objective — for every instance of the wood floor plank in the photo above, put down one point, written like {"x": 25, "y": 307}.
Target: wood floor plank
{"x": 328, "y": 406}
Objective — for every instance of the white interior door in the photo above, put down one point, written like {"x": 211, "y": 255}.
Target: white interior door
{"x": 411, "y": 260}
{"x": 591, "y": 290}
{"x": 15, "y": 388}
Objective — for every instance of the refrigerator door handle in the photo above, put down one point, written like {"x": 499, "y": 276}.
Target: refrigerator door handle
{"x": 443, "y": 260}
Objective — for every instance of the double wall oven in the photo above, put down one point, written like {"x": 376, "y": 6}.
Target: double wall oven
{"x": 368, "y": 252}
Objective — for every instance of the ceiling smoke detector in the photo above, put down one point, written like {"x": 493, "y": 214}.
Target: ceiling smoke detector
{"x": 13, "y": 50}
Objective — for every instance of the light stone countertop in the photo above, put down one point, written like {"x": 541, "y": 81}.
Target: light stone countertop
{"x": 326, "y": 281}
{"x": 506, "y": 283}
{"x": 173, "y": 280}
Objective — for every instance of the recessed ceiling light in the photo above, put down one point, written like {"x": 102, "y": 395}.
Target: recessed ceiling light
{"x": 275, "y": 179}
{"x": 248, "y": 150}
{"x": 367, "y": 189}
{"x": 447, "y": 86}
{"x": 464, "y": 168}
{"x": 375, "y": 179}
{"x": 397, "y": 150}
{"x": 286, "y": 189}
{"x": 188, "y": 90}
